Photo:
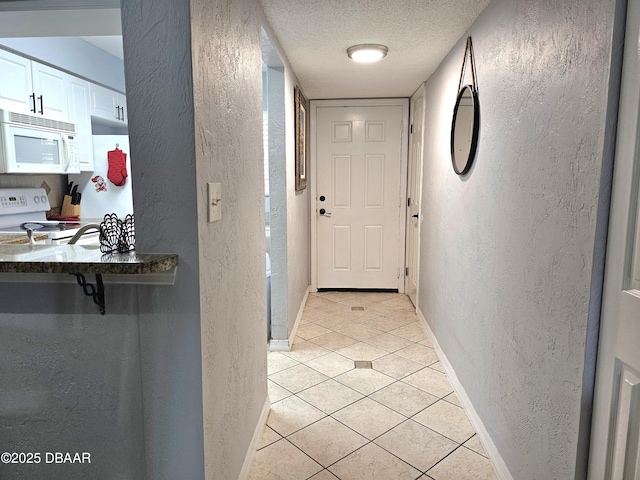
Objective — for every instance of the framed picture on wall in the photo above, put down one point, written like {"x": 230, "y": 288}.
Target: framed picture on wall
{"x": 302, "y": 129}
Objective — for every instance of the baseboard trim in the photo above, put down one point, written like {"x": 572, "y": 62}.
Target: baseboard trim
{"x": 483, "y": 435}
{"x": 285, "y": 345}
{"x": 279, "y": 345}
{"x": 294, "y": 330}
{"x": 255, "y": 441}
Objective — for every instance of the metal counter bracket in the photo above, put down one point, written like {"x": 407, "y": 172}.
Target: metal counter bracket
{"x": 96, "y": 291}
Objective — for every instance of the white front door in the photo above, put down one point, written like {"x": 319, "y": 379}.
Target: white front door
{"x": 360, "y": 190}
{"x": 414, "y": 193}
{"x": 615, "y": 434}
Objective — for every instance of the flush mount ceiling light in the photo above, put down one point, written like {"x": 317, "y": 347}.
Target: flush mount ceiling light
{"x": 367, "y": 52}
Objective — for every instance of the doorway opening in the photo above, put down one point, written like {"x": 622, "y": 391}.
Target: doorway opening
{"x": 359, "y": 183}
{"x": 273, "y": 115}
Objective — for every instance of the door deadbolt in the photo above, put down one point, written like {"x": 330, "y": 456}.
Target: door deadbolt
{"x": 322, "y": 199}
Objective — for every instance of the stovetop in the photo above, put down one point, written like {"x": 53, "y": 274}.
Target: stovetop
{"x": 22, "y": 208}
{"x": 52, "y": 229}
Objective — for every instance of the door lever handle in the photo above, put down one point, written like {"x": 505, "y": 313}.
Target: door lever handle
{"x": 416, "y": 215}
{"x": 324, "y": 212}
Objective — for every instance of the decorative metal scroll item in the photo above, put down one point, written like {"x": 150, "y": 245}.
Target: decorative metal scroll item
{"x": 117, "y": 235}
{"x": 96, "y": 292}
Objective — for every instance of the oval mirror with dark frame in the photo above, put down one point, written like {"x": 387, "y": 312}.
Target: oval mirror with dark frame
{"x": 464, "y": 130}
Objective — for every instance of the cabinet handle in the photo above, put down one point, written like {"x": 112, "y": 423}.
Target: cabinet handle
{"x": 33, "y": 97}
{"x": 122, "y": 108}
{"x": 41, "y": 106}
{"x": 118, "y": 110}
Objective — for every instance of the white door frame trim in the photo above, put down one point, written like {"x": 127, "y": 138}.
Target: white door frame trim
{"x": 618, "y": 286}
{"x": 372, "y": 102}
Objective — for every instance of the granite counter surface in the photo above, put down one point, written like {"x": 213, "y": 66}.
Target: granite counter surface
{"x": 85, "y": 259}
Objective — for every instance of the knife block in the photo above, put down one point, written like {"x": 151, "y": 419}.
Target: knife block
{"x": 69, "y": 210}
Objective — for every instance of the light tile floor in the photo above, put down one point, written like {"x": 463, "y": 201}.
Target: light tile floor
{"x": 398, "y": 420}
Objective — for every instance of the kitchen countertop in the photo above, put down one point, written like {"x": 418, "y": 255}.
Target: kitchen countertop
{"x": 85, "y": 259}
{"x": 15, "y": 239}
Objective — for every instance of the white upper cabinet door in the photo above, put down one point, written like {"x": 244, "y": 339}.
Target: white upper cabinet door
{"x": 51, "y": 87}
{"x": 80, "y": 114}
{"x": 16, "y": 85}
{"x": 105, "y": 105}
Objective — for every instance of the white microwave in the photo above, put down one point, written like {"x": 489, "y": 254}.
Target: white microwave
{"x": 31, "y": 144}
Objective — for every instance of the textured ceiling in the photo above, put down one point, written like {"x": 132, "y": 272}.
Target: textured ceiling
{"x": 315, "y": 35}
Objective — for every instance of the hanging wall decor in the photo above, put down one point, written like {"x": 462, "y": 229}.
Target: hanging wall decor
{"x": 466, "y": 118}
{"x": 302, "y": 129}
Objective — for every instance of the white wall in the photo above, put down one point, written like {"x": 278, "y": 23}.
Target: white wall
{"x": 278, "y": 198}
{"x": 507, "y": 253}
{"x": 227, "y": 78}
{"x": 298, "y": 217}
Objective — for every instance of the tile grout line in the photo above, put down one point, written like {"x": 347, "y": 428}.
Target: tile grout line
{"x": 441, "y": 460}
{"x": 405, "y": 418}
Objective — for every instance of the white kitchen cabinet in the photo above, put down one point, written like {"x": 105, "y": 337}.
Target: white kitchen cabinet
{"x": 33, "y": 88}
{"x": 16, "y": 84}
{"x": 51, "y": 87}
{"x": 80, "y": 114}
{"x": 108, "y": 106}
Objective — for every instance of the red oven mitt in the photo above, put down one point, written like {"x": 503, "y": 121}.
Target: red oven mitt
{"x": 117, "y": 172}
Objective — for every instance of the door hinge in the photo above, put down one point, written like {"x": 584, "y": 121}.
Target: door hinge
{"x": 411, "y": 129}
{"x": 408, "y": 202}
{"x": 406, "y": 271}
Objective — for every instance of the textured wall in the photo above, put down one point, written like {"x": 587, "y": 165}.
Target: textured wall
{"x": 507, "y": 251}
{"x": 278, "y": 204}
{"x": 227, "y": 77}
{"x": 70, "y": 381}
{"x": 298, "y": 220}
{"x": 157, "y": 47}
